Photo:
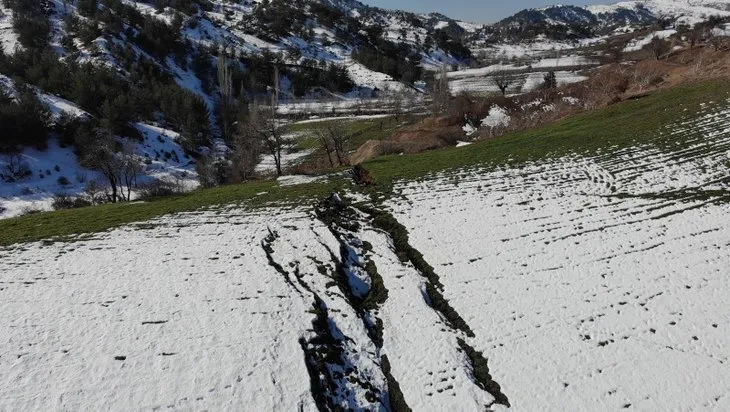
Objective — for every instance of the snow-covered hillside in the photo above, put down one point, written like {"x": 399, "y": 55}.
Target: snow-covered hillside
{"x": 582, "y": 282}
{"x": 56, "y": 171}
{"x": 169, "y": 52}
{"x": 686, "y": 11}
{"x": 568, "y": 24}
{"x": 30, "y": 179}
{"x": 527, "y": 74}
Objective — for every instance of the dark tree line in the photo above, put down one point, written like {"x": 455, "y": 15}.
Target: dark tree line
{"x": 114, "y": 100}
{"x": 24, "y": 120}
{"x": 400, "y": 61}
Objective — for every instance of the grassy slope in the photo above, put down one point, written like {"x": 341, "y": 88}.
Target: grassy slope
{"x": 99, "y": 218}
{"x": 620, "y": 125}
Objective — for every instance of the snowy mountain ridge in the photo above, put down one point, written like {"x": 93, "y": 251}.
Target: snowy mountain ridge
{"x": 566, "y": 21}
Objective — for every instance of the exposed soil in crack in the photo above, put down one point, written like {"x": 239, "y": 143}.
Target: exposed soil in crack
{"x": 334, "y": 372}
{"x": 358, "y": 276}
{"x": 395, "y": 396}
{"x": 267, "y": 245}
{"x": 343, "y": 222}
{"x": 480, "y": 370}
{"x": 406, "y": 253}
{"x": 318, "y": 351}
{"x": 360, "y": 284}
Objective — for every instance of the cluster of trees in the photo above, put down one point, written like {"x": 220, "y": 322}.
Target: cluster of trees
{"x": 114, "y": 101}
{"x": 188, "y": 7}
{"x": 151, "y": 34}
{"x": 141, "y": 88}
{"x": 146, "y": 91}
{"x": 24, "y": 120}
{"x": 550, "y": 81}
{"x": 332, "y": 138}
{"x": 533, "y": 30}
{"x": 249, "y": 77}
{"x": 104, "y": 94}
{"x": 452, "y": 43}
{"x": 280, "y": 17}
{"x": 254, "y": 75}
{"x": 402, "y": 60}
{"x": 705, "y": 32}
{"x": 399, "y": 61}
{"x": 30, "y": 21}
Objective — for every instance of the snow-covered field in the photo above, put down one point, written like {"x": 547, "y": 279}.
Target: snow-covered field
{"x": 524, "y": 82}
{"x": 589, "y": 282}
{"x": 192, "y": 318}
{"x": 239, "y": 297}
{"x": 527, "y": 73}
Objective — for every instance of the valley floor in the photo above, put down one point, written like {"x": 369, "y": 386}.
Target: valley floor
{"x": 594, "y": 282}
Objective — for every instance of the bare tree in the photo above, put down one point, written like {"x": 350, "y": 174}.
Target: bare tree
{"x": 717, "y": 40}
{"x": 227, "y": 105}
{"x": 647, "y": 76}
{"x": 440, "y": 93}
{"x": 340, "y": 137}
{"x": 120, "y": 168}
{"x": 550, "y": 81}
{"x": 15, "y": 170}
{"x": 397, "y": 99}
{"x": 412, "y": 103}
{"x": 323, "y": 138}
{"x": 94, "y": 192}
{"x": 333, "y": 138}
{"x": 612, "y": 51}
{"x": 103, "y": 159}
{"x": 659, "y": 47}
{"x": 245, "y": 154}
{"x": 207, "y": 169}
{"x": 129, "y": 169}
{"x": 695, "y": 36}
{"x": 263, "y": 123}
{"x": 503, "y": 80}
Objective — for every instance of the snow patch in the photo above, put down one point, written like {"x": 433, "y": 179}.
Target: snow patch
{"x": 497, "y": 117}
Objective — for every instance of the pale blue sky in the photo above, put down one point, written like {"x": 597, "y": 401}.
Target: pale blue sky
{"x": 477, "y": 11}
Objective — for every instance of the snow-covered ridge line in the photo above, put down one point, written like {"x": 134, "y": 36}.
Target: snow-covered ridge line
{"x": 624, "y": 13}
